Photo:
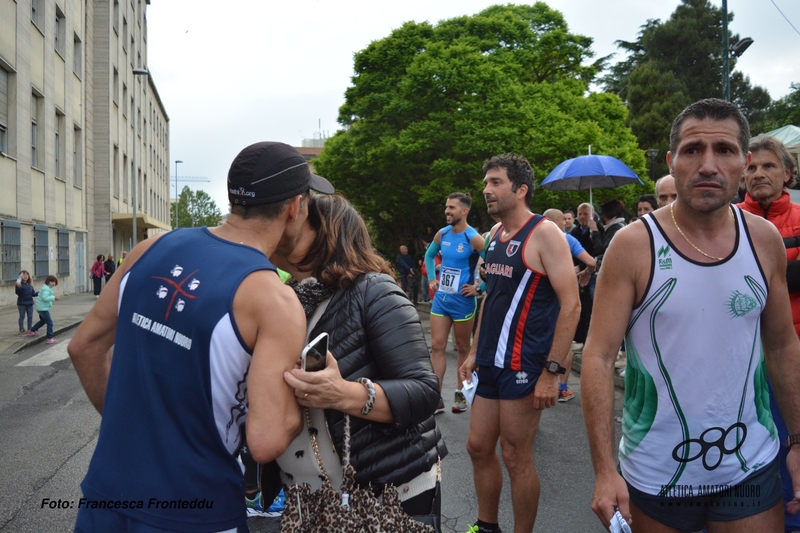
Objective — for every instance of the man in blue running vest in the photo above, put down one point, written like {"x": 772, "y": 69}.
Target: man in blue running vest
{"x": 202, "y": 332}
{"x": 454, "y": 302}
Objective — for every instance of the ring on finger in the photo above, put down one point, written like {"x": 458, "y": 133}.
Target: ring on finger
{"x": 305, "y": 396}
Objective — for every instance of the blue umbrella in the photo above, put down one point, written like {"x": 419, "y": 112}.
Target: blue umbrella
{"x": 590, "y": 172}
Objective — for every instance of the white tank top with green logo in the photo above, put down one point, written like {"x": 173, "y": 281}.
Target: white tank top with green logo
{"x": 696, "y": 416}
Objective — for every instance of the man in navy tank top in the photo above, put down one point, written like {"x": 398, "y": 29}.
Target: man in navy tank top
{"x": 526, "y": 326}
{"x": 698, "y": 290}
{"x": 198, "y": 348}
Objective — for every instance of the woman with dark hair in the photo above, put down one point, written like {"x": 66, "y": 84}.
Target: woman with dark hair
{"x": 380, "y": 371}
{"x": 98, "y": 272}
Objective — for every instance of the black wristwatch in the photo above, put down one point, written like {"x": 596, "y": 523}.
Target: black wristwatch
{"x": 791, "y": 440}
{"x": 554, "y": 368}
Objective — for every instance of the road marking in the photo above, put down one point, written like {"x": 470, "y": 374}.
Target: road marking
{"x": 55, "y": 353}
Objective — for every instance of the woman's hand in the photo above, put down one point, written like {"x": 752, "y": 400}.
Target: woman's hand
{"x": 324, "y": 389}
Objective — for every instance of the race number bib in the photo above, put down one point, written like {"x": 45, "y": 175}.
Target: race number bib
{"x": 448, "y": 281}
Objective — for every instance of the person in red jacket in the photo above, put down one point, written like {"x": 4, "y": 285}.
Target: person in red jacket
{"x": 772, "y": 170}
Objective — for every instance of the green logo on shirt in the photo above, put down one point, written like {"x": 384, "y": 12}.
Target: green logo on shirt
{"x": 741, "y": 304}
{"x": 664, "y": 262}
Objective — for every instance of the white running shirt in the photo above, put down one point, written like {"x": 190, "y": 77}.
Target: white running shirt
{"x": 696, "y": 412}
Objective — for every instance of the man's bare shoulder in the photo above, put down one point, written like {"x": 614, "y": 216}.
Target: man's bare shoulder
{"x": 634, "y": 234}
{"x": 629, "y": 249}
{"x": 264, "y": 288}
{"x": 761, "y": 228}
{"x": 766, "y": 240}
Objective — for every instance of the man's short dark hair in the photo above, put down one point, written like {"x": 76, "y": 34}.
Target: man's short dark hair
{"x": 767, "y": 142}
{"x": 714, "y": 109}
{"x": 264, "y": 211}
{"x": 650, "y": 199}
{"x": 569, "y": 211}
{"x": 518, "y": 168}
{"x": 464, "y": 197}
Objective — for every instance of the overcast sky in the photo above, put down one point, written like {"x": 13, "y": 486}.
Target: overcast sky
{"x": 234, "y": 73}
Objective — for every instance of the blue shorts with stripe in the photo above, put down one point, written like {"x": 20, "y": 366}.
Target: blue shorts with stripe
{"x": 459, "y": 308}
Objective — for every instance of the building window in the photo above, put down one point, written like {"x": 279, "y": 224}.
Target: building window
{"x": 115, "y": 90}
{"x": 125, "y": 99}
{"x": 124, "y": 178}
{"x": 125, "y": 34}
{"x": 116, "y": 16}
{"x": 60, "y": 148}
{"x": 36, "y": 15}
{"x": 61, "y": 32}
{"x": 77, "y": 56}
{"x": 115, "y": 183}
{"x": 35, "y": 110}
{"x": 4, "y": 111}
{"x": 63, "y": 251}
{"x": 77, "y": 158}
{"x": 41, "y": 260}
{"x": 12, "y": 256}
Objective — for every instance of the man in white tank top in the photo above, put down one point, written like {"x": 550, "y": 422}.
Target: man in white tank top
{"x": 698, "y": 291}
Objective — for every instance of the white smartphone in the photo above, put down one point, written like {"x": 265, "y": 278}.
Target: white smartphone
{"x": 314, "y": 356}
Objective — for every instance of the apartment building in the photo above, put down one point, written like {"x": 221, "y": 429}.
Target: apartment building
{"x": 80, "y": 135}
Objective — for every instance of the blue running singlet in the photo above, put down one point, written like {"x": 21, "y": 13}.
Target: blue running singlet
{"x": 177, "y": 390}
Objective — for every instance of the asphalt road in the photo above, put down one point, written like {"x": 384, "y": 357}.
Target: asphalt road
{"x": 49, "y": 431}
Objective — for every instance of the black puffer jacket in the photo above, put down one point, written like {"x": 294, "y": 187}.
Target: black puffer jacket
{"x": 375, "y": 333}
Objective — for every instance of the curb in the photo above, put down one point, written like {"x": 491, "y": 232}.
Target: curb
{"x": 69, "y": 323}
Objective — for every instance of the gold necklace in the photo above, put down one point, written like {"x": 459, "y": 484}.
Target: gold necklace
{"x": 677, "y": 227}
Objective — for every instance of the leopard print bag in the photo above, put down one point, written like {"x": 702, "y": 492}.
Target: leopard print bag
{"x": 354, "y": 510}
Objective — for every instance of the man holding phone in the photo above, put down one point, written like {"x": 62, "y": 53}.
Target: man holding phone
{"x": 197, "y": 350}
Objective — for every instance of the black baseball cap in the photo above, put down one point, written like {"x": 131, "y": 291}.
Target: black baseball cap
{"x": 270, "y": 172}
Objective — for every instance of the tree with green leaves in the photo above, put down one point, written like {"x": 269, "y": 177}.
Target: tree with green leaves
{"x": 782, "y": 112}
{"x": 195, "y": 209}
{"x": 674, "y": 63}
{"x": 428, "y": 104}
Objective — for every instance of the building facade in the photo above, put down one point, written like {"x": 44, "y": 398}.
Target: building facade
{"x": 80, "y": 135}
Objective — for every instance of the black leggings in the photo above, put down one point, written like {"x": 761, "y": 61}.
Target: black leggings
{"x": 97, "y": 281}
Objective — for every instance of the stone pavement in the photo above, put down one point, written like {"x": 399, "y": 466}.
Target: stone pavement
{"x": 67, "y": 313}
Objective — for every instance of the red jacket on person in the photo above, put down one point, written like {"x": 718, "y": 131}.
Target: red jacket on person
{"x": 786, "y": 217}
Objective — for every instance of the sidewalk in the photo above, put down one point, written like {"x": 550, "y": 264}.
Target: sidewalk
{"x": 67, "y": 313}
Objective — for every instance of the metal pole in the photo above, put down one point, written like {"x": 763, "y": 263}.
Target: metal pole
{"x": 726, "y": 82}
{"x": 176, "y": 193}
{"x": 136, "y": 72}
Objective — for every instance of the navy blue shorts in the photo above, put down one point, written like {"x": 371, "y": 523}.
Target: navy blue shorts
{"x": 504, "y": 384}
{"x": 758, "y": 492}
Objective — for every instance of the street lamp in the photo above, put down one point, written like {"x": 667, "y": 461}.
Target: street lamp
{"x": 736, "y": 51}
{"x": 136, "y": 72}
{"x": 652, "y": 154}
{"x": 176, "y": 193}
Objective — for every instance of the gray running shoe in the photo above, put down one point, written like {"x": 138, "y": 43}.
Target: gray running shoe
{"x": 459, "y": 403}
